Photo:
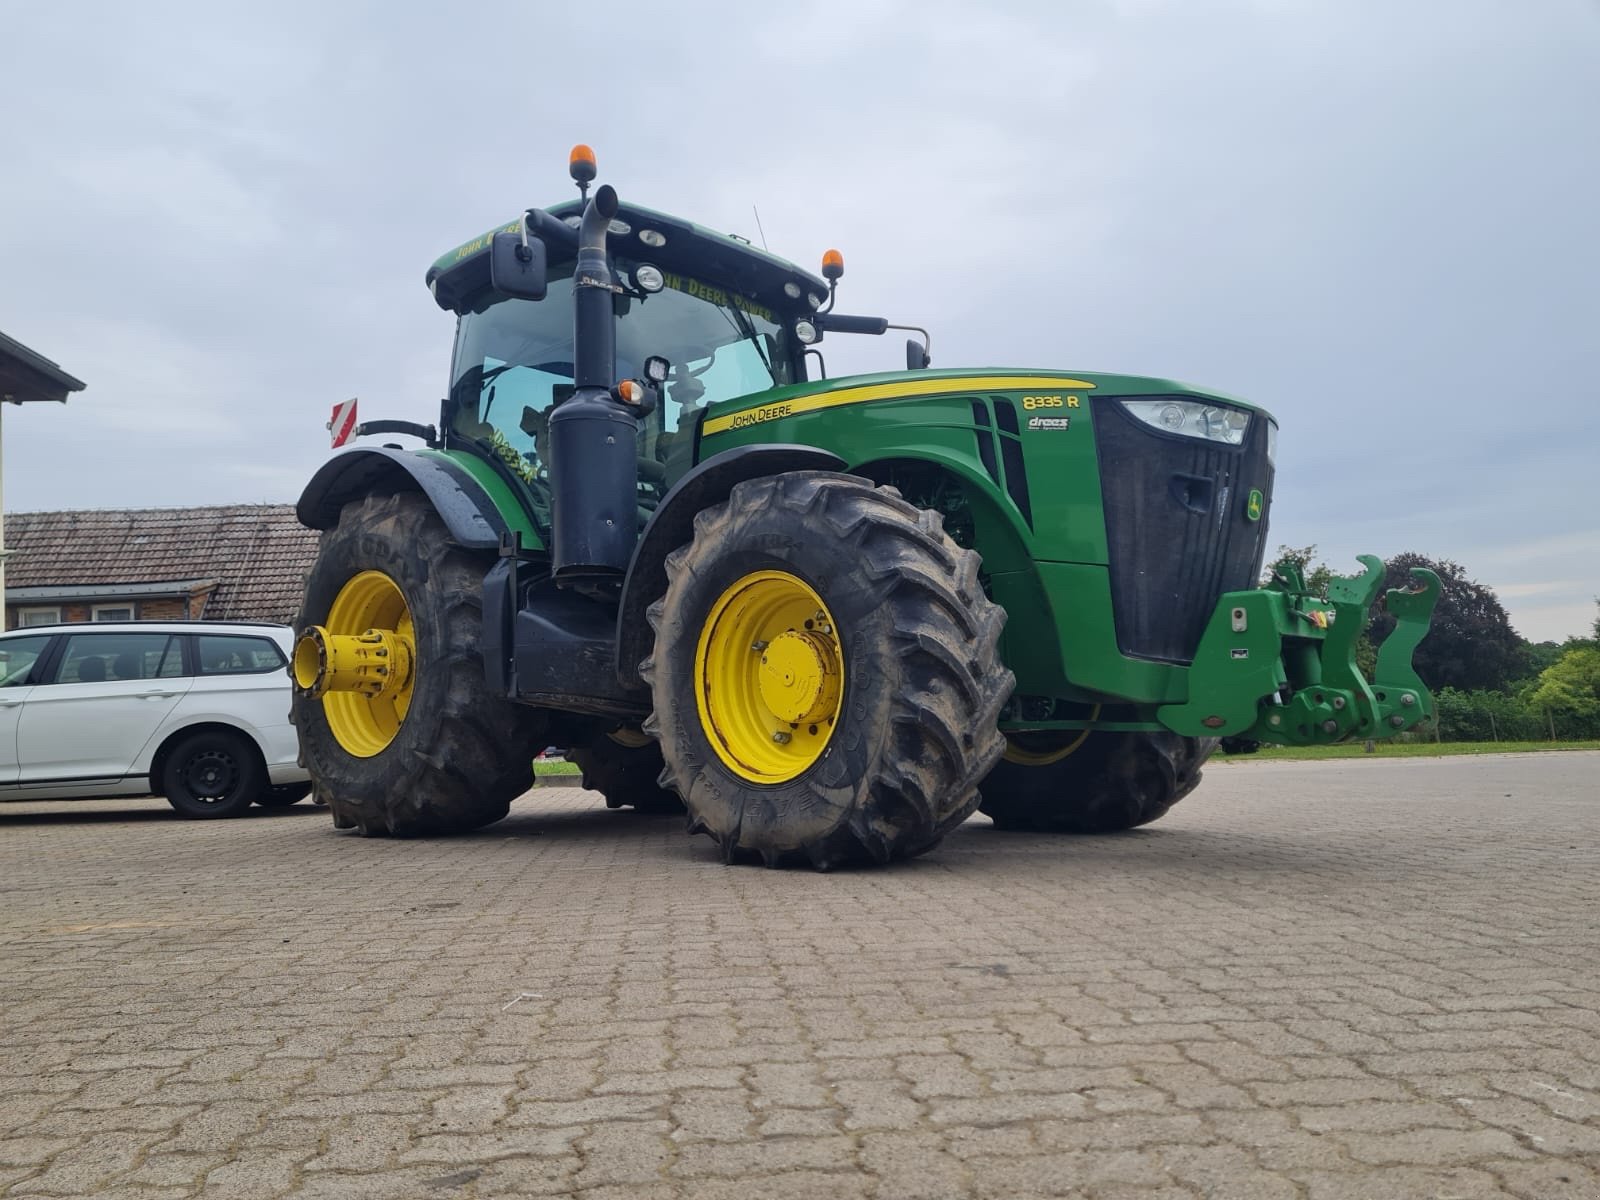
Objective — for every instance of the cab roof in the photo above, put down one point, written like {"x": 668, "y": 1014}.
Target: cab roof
{"x": 458, "y": 278}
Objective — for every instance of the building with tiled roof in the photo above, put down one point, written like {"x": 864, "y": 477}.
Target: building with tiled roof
{"x": 28, "y": 377}
{"x": 234, "y": 562}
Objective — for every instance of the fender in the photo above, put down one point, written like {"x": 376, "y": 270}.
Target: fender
{"x": 472, "y": 518}
{"x": 672, "y": 526}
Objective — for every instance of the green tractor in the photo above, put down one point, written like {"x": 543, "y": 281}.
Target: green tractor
{"x": 830, "y": 617}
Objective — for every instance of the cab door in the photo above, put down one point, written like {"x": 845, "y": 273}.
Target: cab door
{"x": 19, "y": 659}
{"x": 105, "y": 697}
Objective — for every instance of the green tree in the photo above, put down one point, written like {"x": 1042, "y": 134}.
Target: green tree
{"x": 1317, "y": 572}
{"x": 1572, "y": 685}
{"x": 1471, "y": 645}
{"x": 1317, "y": 576}
{"x": 1541, "y": 655}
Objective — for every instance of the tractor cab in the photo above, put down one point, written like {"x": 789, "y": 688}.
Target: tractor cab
{"x": 715, "y": 317}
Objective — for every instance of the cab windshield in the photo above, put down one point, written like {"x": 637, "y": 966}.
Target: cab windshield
{"x": 513, "y": 363}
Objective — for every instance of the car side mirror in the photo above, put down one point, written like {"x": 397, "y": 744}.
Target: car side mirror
{"x": 517, "y": 266}
{"x": 917, "y": 356}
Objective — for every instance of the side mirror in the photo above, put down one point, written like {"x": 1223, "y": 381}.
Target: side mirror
{"x": 917, "y": 356}
{"x": 517, "y": 266}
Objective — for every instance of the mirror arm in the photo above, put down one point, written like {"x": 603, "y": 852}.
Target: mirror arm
{"x": 548, "y": 229}
{"x": 927, "y": 339}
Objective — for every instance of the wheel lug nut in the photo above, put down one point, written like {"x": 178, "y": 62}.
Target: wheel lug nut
{"x": 758, "y": 646}
{"x": 781, "y": 737}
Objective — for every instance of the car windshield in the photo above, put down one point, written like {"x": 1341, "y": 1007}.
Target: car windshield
{"x": 513, "y": 362}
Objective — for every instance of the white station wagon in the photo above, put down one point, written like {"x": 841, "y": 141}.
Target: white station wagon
{"x": 194, "y": 711}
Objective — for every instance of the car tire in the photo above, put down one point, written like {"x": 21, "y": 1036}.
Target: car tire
{"x": 212, "y": 774}
{"x": 282, "y": 795}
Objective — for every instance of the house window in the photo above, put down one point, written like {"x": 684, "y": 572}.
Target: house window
{"x": 113, "y": 612}
{"x": 38, "y": 616}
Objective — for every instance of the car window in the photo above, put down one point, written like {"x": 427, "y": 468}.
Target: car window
{"x": 237, "y": 655}
{"x": 17, "y": 656}
{"x": 102, "y": 657}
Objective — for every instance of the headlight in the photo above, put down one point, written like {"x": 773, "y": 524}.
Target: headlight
{"x": 1192, "y": 418}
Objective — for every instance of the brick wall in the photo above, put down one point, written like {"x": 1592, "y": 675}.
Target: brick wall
{"x": 162, "y": 610}
{"x": 190, "y": 609}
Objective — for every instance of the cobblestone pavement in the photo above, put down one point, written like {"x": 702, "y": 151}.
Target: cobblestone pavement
{"x": 1373, "y": 978}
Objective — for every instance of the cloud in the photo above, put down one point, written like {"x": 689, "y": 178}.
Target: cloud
{"x": 1374, "y": 219}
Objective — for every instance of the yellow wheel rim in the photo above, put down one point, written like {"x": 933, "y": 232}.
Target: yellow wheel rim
{"x": 1044, "y": 756}
{"x": 366, "y": 725}
{"x": 769, "y": 677}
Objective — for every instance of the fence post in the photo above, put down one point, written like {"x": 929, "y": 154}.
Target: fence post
{"x": 1494, "y": 731}
{"x": 1551, "y": 713}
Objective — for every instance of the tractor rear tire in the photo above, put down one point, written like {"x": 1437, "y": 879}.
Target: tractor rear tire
{"x": 1105, "y": 783}
{"x": 903, "y": 724}
{"x": 626, "y": 772}
{"x": 461, "y": 753}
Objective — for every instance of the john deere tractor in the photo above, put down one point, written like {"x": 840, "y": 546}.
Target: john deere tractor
{"x": 830, "y": 617}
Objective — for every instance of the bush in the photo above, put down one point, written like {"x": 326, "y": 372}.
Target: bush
{"x": 1486, "y": 716}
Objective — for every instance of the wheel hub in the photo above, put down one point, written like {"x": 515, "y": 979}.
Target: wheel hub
{"x": 361, "y": 663}
{"x": 375, "y": 662}
{"x": 769, "y": 677}
{"x": 210, "y": 776}
{"x": 799, "y": 677}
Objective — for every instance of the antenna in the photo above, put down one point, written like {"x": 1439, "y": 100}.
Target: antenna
{"x": 763, "y": 232}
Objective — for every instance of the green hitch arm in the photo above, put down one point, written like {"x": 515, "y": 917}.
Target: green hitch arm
{"x": 1278, "y": 664}
{"x": 1412, "y": 610}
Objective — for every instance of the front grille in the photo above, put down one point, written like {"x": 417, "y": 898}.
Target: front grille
{"x": 1176, "y": 527}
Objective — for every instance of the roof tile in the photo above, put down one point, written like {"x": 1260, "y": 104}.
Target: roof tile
{"x": 260, "y": 553}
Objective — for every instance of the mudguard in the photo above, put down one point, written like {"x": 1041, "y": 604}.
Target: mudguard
{"x": 672, "y": 525}
{"x": 472, "y": 518}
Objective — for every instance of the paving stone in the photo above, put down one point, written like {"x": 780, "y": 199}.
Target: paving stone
{"x": 1384, "y": 988}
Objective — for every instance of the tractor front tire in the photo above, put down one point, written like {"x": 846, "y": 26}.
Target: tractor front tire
{"x": 625, "y": 767}
{"x": 1066, "y": 782}
{"x": 460, "y": 753}
{"x": 826, "y": 675}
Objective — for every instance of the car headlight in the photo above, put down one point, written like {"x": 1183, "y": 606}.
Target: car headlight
{"x": 1193, "y": 418}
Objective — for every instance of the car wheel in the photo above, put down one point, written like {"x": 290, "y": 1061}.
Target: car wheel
{"x": 212, "y": 774}
{"x": 281, "y": 795}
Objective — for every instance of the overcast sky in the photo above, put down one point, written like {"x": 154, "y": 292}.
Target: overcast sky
{"x": 1377, "y": 219}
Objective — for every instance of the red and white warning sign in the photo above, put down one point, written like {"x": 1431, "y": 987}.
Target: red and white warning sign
{"x": 343, "y": 424}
